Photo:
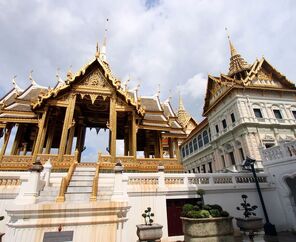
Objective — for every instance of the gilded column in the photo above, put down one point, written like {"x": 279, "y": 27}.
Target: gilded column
{"x": 134, "y": 136}
{"x": 67, "y": 124}
{"x": 171, "y": 147}
{"x": 70, "y": 140}
{"x": 6, "y": 139}
{"x": 50, "y": 137}
{"x": 112, "y": 127}
{"x": 17, "y": 139}
{"x": 160, "y": 145}
{"x": 41, "y": 125}
{"x": 126, "y": 140}
{"x": 177, "y": 150}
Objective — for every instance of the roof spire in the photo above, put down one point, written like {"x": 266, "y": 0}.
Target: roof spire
{"x": 233, "y": 51}
{"x": 237, "y": 63}
{"x": 181, "y": 105}
{"x": 31, "y": 78}
{"x": 97, "y": 55}
{"x": 103, "y": 49}
{"x": 183, "y": 116}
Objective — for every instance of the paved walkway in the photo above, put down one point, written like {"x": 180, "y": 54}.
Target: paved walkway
{"x": 282, "y": 237}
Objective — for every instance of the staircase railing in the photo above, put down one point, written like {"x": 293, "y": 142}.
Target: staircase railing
{"x": 65, "y": 183}
{"x": 94, "y": 191}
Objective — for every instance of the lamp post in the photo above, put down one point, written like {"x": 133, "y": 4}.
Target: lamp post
{"x": 269, "y": 228}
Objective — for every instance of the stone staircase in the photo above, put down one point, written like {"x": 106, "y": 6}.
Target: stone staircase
{"x": 48, "y": 194}
{"x": 80, "y": 186}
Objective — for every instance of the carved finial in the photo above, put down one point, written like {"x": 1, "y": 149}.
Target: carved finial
{"x": 69, "y": 73}
{"x": 14, "y": 80}
{"x": 16, "y": 87}
{"x": 97, "y": 55}
{"x": 170, "y": 95}
{"x": 126, "y": 82}
{"x": 31, "y": 78}
{"x": 158, "y": 90}
{"x": 58, "y": 74}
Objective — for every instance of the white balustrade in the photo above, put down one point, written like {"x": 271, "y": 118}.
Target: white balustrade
{"x": 279, "y": 152}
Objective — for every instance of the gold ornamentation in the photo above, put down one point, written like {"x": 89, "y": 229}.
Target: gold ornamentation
{"x": 93, "y": 98}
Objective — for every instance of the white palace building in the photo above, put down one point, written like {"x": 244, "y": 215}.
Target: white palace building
{"x": 251, "y": 111}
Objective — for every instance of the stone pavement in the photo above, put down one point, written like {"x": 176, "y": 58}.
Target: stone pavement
{"x": 282, "y": 237}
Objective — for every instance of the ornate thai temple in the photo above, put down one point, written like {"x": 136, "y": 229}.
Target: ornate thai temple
{"x": 247, "y": 110}
{"x": 49, "y": 194}
{"x": 49, "y": 120}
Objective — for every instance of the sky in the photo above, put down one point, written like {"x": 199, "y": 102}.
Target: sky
{"x": 172, "y": 45}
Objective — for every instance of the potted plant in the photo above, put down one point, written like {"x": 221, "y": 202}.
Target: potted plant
{"x": 206, "y": 223}
{"x": 149, "y": 230}
{"x": 201, "y": 193}
{"x": 250, "y": 223}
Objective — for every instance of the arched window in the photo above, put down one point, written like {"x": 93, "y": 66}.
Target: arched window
{"x": 195, "y": 144}
{"x": 183, "y": 151}
{"x": 200, "y": 143}
{"x": 187, "y": 150}
{"x": 205, "y": 137}
{"x": 190, "y": 148}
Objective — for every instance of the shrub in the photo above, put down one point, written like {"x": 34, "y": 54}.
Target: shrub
{"x": 224, "y": 214}
{"x": 247, "y": 209}
{"x": 207, "y": 207}
{"x": 203, "y": 211}
{"x": 186, "y": 208}
{"x": 194, "y": 214}
{"x": 216, "y": 206}
{"x": 215, "y": 213}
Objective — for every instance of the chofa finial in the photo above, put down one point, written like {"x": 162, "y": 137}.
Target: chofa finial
{"x": 31, "y": 78}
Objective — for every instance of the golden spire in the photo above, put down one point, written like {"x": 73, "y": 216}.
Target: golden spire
{"x": 97, "y": 55}
{"x": 183, "y": 116}
{"x": 181, "y": 105}
{"x": 103, "y": 49}
{"x": 237, "y": 63}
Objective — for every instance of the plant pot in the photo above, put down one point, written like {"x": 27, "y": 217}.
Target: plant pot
{"x": 208, "y": 229}
{"x": 149, "y": 232}
{"x": 253, "y": 224}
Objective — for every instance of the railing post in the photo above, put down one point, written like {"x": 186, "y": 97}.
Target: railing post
{"x": 120, "y": 185}
{"x": 47, "y": 172}
{"x": 161, "y": 179}
{"x": 29, "y": 190}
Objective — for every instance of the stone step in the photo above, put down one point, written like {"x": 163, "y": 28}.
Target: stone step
{"x": 80, "y": 183}
{"x": 77, "y": 197}
{"x": 85, "y": 169}
{"x": 82, "y": 178}
{"x": 77, "y": 189}
{"x": 49, "y": 193}
{"x": 84, "y": 173}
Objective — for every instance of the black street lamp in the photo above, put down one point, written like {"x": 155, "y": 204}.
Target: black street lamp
{"x": 269, "y": 228}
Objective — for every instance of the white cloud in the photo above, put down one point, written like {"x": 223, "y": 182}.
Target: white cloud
{"x": 165, "y": 43}
{"x": 194, "y": 87}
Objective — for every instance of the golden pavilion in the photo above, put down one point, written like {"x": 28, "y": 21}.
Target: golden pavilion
{"x": 47, "y": 119}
